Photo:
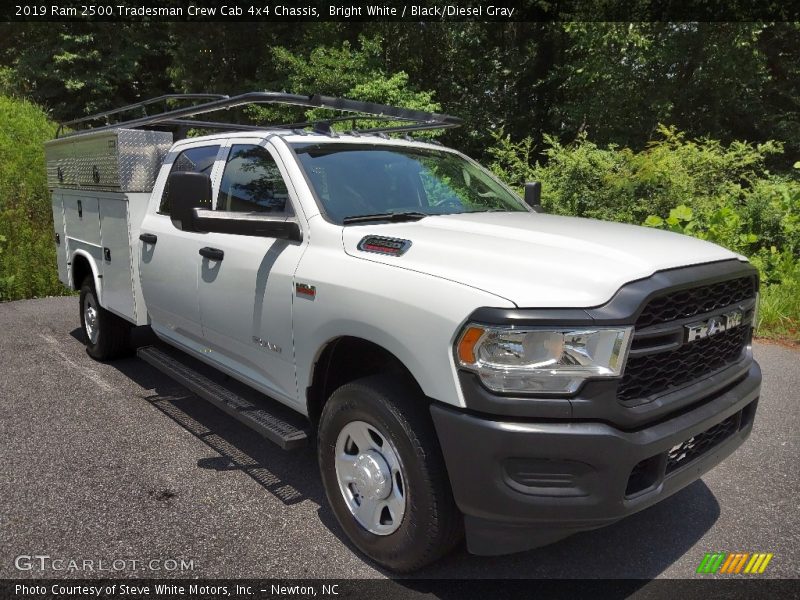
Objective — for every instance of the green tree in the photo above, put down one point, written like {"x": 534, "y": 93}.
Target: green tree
{"x": 352, "y": 71}
{"x": 27, "y": 251}
{"x": 76, "y": 69}
{"x": 723, "y": 80}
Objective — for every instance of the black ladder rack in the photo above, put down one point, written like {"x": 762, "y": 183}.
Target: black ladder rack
{"x": 410, "y": 120}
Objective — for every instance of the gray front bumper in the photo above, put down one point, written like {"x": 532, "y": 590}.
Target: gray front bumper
{"x": 526, "y": 483}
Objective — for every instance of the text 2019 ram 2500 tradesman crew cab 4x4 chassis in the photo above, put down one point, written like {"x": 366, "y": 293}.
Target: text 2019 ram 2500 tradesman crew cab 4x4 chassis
{"x": 464, "y": 363}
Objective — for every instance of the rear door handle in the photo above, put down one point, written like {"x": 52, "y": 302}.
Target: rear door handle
{"x": 212, "y": 253}
{"x": 148, "y": 238}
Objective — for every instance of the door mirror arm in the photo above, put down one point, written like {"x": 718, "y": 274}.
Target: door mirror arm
{"x": 253, "y": 224}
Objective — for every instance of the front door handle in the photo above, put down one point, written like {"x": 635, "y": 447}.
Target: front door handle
{"x": 212, "y": 253}
{"x": 148, "y": 238}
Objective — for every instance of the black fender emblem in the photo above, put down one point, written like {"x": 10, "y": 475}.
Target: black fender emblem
{"x": 384, "y": 245}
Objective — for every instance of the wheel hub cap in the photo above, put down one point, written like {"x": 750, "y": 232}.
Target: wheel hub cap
{"x": 372, "y": 478}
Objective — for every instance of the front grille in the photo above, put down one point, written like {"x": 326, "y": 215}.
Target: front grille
{"x": 650, "y": 472}
{"x": 697, "y": 445}
{"x": 695, "y": 301}
{"x": 657, "y": 373}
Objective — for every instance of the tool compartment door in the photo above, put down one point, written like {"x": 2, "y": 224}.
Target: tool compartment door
{"x": 82, "y": 228}
{"x": 82, "y": 218}
{"x": 116, "y": 263}
{"x": 60, "y": 236}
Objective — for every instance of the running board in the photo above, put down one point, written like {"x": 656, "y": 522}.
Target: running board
{"x": 273, "y": 422}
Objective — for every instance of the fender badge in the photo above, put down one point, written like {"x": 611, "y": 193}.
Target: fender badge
{"x": 305, "y": 291}
{"x": 266, "y": 344}
{"x": 384, "y": 245}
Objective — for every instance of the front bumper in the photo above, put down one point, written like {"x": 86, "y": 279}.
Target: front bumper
{"x": 526, "y": 483}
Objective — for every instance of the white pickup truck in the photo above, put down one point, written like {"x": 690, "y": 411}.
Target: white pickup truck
{"x": 465, "y": 364}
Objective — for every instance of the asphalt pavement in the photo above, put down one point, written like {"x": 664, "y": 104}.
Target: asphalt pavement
{"x": 115, "y": 462}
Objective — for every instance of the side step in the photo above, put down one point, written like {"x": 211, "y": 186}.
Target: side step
{"x": 273, "y": 422}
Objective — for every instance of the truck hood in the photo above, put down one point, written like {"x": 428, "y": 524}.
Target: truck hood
{"x": 533, "y": 259}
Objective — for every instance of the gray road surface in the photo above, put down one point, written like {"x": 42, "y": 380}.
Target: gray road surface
{"x": 115, "y": 461}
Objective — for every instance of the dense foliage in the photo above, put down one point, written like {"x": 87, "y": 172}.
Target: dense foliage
{"x": 576, "y": 105}
{"x": 721, "y": 193}
{"x": 615, "y": 81}
{"x": 27, "y": 251}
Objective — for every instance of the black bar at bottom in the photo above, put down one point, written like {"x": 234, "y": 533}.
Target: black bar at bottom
{"x": 387, "y": 589}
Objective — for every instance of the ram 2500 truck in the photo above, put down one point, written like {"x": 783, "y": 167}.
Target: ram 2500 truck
{"x": 464, "y": 363}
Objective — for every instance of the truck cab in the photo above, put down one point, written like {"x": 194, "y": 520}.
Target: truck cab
{"x": 464, "y": 364}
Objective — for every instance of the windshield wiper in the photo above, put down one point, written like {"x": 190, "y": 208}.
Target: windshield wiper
{"x": 393, "y": 217}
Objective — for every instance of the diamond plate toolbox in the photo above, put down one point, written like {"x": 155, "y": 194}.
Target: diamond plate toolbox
{"x": 120, "y": 160}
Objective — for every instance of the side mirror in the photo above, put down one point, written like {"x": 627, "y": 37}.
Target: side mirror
{"x": 189, "y": 199}
{"x": 533, "y": 195}
{"x": 184, "y": 192}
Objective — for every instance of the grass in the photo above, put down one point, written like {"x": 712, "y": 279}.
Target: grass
{"x": 779, "y": 312}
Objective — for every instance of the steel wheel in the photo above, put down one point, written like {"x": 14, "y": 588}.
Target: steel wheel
{"x": 384, "y": 474}
{"x": 370, "y": 478}
{"x": 90, "y": 318}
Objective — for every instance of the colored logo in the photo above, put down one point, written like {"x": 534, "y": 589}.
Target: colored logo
{"x": 734, "y": 563}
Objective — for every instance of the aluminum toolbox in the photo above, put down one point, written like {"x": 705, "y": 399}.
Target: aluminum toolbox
{"x": 117, "y": 160}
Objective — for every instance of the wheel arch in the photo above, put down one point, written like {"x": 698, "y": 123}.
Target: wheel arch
{"x": 344, "y": 359}
{"x": 81, "y": 265}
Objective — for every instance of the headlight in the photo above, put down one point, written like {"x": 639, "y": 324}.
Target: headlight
{"x": 542, "y": 360}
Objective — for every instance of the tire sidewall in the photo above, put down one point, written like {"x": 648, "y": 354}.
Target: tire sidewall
{"x": 357, "y": 403}
{"x": 93, "y": 349}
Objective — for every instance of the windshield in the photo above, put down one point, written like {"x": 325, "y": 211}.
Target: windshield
{"x": 353, "y": 180}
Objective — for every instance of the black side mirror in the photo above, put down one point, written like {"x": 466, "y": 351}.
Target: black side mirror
{"x": 184, "y": 192}
{"x": 533, "y": 195}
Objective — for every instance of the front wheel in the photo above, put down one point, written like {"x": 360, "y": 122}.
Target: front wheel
{"x": 384, "y": 474}
{"x": 107, "y": 335}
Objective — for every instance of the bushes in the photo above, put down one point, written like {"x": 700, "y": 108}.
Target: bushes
{"x": 27, "y": 251}
{"x": 618, "y": 184}
{"x": 723, "y": 194}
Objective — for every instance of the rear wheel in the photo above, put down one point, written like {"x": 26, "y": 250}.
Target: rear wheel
{"x": 107, "y": 335}
{"x": 384, "y": 474}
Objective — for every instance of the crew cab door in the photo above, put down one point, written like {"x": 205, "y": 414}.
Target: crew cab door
{"x": 246, "y": 282}
{"x": 169, "y": 263}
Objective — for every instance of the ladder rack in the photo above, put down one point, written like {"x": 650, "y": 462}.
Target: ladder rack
{"x": 409, "y": 119}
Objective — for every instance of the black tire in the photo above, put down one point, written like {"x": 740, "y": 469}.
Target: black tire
{"x": 110, "y": 335}
{"x": 432, "y": 524}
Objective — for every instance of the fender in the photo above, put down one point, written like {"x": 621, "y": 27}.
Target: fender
{"x": 98, "y": 280}
{"x": 370, "y": 334}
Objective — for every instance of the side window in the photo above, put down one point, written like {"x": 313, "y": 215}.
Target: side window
{"x": 196, "y": 160}
{"x": 252, "y": 183}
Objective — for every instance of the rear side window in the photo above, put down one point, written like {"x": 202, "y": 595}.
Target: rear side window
{"x": 252, "y": 183}
{"x": 194, "y": 160}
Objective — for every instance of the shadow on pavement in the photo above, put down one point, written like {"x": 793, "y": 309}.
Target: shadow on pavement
{"x": 639, "y": 547}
